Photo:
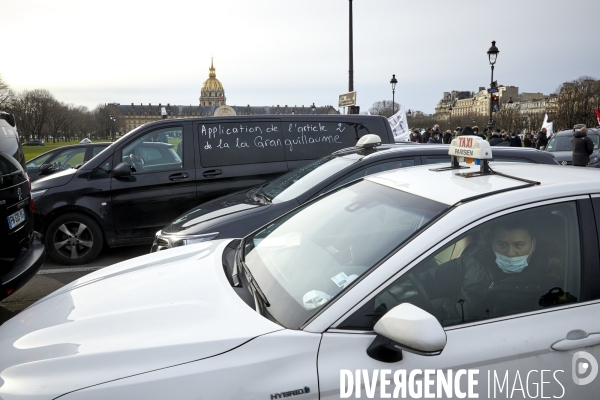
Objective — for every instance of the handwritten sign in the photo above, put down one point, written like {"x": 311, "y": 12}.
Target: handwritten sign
{"x": 235, "y": 143}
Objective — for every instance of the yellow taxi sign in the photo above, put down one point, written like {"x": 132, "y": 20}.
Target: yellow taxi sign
{"x": 470, "y": 147}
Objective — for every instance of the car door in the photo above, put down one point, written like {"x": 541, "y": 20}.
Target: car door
{"x": 161, "y": 186}
{"x": 233, "y": 156}
{"x": 523, "y": 339}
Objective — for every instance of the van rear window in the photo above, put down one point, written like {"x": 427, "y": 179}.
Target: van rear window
{"x": 307, "y": 140}
{"x": 244, "y": 142}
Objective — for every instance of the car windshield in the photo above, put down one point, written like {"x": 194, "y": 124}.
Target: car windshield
{"x": 563, "y": 143}
{"x": 307, "y": 257}
{"x": 298, "y": 181}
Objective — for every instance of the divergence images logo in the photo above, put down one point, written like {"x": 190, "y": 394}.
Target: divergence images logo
{"x": 580, "y": 367}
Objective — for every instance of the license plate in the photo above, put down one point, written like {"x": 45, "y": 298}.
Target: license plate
{"x": 16, "y": 219}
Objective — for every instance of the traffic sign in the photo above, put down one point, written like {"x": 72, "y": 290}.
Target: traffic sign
{"x": 492, "y": 90}
{"x": 347, "y": 99}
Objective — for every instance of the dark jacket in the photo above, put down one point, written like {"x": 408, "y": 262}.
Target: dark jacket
{"x": 583, "y": 146}
{"x": 495, "y": 139}
{"x": 467, "y": 131}
{"x": 504, "y": 143}
{"x": 527, "y": 142}
{"x": 515, "y": 141}
{"x": 425, "y": 137}
{"x": 447, "y": 138}
{"x": 487, "y": 291}
{"x": 415, "y": 137}
{"x": 542, "y": 141}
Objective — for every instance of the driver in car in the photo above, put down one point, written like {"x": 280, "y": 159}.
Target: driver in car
{"x": 503, "y": 273}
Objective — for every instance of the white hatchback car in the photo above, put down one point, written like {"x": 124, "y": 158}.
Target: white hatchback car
{"x": 419, "y": 282}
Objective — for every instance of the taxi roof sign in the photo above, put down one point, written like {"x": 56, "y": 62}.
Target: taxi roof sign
{"x": 470, "y": 147}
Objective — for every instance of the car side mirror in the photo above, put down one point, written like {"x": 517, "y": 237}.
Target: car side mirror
{"x": 45, "y": 168}
{"x": 407, "y": 327}
{"x": 122, "y": 170}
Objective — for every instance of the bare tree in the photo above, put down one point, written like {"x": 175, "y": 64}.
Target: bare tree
{"x": 32, "y": 109}
{"x": 577, "y": 100}
{"x": 385, "y": 108}
{"x": 6, "y": 95}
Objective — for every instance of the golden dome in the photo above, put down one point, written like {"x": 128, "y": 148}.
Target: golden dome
{"x": 212, "y": 83}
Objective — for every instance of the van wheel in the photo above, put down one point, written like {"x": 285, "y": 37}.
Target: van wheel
{"x": 74, "y": 239}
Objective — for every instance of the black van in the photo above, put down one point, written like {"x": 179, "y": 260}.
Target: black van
{"x": 21, "y": 252}
{"x": 160, "y": 170}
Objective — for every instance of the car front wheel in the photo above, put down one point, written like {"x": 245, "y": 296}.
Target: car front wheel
{"x": 74, "y": 239}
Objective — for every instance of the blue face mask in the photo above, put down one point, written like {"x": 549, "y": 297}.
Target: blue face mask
{"x": 511, "y": 265}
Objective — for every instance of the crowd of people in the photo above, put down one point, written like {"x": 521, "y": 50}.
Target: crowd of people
{"x": 582, "y": 145}
{"x": 495, "y": 137}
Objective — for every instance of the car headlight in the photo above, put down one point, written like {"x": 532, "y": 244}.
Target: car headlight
{"x": 593, "y": 160}
{"x": 185, "y": 240}
{"x": 37, "y": 194}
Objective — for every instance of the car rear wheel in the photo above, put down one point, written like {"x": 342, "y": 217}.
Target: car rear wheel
{"x": 74, "y": 239}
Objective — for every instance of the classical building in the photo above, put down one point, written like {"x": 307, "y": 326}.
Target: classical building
{"x": 212, "y": 102}
{"x": 478, "y": 103}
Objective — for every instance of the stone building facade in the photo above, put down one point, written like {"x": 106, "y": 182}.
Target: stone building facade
{"x": 212, "y": 102}
{"x": 478, "y": 103}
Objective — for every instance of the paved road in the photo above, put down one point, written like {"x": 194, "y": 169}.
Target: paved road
{"x": 53, "y": 276}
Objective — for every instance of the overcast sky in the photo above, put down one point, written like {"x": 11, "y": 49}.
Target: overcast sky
{"x": 269, "y": 52}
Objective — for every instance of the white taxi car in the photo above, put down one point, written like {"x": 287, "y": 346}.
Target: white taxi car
{"x": 444, "y": 282}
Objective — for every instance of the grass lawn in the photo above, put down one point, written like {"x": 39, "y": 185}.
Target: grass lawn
{"x": 34, "y": 151}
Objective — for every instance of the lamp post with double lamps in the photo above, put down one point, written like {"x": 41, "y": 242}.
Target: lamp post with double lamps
{"x": 492, "y": 56}
{"x": 113, "y": 119}
{"x": 393, "y": 81}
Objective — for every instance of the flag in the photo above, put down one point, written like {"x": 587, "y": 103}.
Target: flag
{"x": 549, "y": 127}
{"x": 597, "y": 116}
{"x": 399, "y": 125}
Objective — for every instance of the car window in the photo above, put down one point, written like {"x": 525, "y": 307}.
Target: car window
{"x": 437, "y": 159}
{"x": 159, "y": 150}
{"x": 68, "y": 158}
{"x": 524, "y": 261}
{"x": 102, "y": 171}
{"x": 38, "y": 161}
{"x": 310, "y": 255}
{"x": 374, "y": 169}
{"x": 298, "y": 181}
{"x": 97, "y": 149}
{"x": 244, "y": 142}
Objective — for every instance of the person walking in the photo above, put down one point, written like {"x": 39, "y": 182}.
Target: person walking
{"x": 542, "y": 140}
{"x": 528, "y": 142}
{"x": 447, "y": 139}
{"x": 426, "y": 136}
{"x": 496, "y": 138}
{"x": 415, "y": 136}
{"x": 504, "y": 142}
{"x": 583, "y": 146}
{"x": 467, "y": 131}
{"x": 515, "y": 140}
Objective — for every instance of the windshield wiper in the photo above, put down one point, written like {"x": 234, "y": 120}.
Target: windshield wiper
{"x": 254, "y": 284}
{"x": 262, "y": 195}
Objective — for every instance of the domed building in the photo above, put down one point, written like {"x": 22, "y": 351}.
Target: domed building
{"x": 212, "y": 92}
{"x": 212, "y": 102}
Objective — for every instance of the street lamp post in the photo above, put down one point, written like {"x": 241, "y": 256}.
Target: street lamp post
{"x": 113, "y": 119}
{"x": 393, "y": 81}
{"x": 450, "y": 115}
{"x": 492, "y": 56}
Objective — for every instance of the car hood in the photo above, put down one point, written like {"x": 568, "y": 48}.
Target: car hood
{"x": 56, "y": 179}
{"x": 220, "y": 208}
{"x": 146, "y": 313}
